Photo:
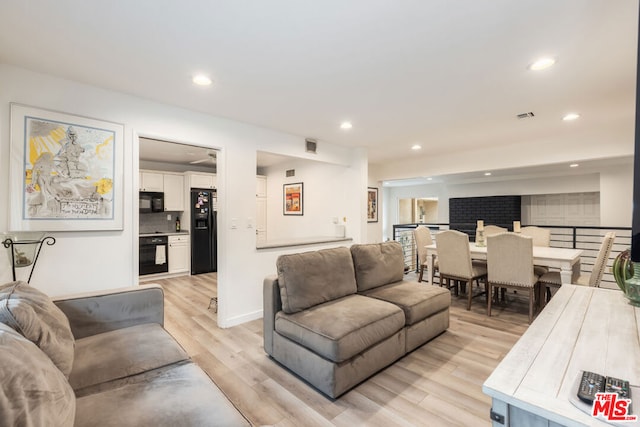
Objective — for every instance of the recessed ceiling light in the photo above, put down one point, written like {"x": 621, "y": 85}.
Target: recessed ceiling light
{"x": 571, "y": 116}
{"x": 542, "y": 63}
{"x": 574, "y": 165}
{"x": 416, "y": 147}
{"x": 346, "y": 125}
{"x": 487, "y": 174}
{"x": 429, "y": 179}
{"x": 201, "y": 80}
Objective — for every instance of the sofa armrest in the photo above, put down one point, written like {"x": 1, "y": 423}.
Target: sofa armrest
{"x": 271, "y": 305}
{"x": 93, "y": 313}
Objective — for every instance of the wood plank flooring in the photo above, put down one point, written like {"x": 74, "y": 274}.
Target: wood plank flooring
{"x": 438, "y": 384}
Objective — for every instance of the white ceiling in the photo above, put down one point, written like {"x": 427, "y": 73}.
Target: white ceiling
{"x": 449, "y": 75}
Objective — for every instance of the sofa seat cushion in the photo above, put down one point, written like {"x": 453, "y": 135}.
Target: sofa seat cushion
{"x": 33, "y": 391}
{"x": 313, "y": 278}
{"x": 417, "y": 301}
{"x": 340, "y": 329}
{"x": 33, "y": 314}
{"x": 177, "y": 395}
{"x": 377, "y": 264}
{"x": 121, "y": 353}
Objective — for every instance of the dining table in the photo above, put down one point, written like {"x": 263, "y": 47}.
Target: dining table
{"x": 567, "y": 260}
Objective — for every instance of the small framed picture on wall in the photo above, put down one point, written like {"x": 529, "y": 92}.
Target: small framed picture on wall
{"x": 293, "y": 199}
{"x": 372, "y": 204}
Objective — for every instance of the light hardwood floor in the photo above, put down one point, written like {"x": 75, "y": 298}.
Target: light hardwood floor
{"x": 438, "y": 384}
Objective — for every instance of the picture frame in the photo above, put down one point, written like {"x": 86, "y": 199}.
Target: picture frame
{"x": 66, "y": 171}
{"x": 293, "y": 199}
{"x": 372, "y": 204}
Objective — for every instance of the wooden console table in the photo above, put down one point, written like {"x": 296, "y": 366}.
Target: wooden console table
{"x": 581, "y": 328}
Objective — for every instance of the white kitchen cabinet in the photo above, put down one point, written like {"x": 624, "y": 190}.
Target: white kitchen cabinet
{"x": 173, "y": 192}
{"x": 151, "y": 181}
{"x": 202, "y": 180}
{"x": 261, "y": 186}
{"x": 179, "y": 254}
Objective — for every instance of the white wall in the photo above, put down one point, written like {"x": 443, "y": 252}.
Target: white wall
{"x": 616, "y": 197}
{"x": 615, "y": 187}
{"x": 325, "y": 198}
{"x": 83, "y": 261}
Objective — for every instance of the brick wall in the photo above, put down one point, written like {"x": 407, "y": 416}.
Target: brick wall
{"x": 495, "y": 210}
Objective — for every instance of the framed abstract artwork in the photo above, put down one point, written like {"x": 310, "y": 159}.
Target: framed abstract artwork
{"x": 293, "y": 199}
{"x": 66, "y": 171}
{"x": 372, "y": 204}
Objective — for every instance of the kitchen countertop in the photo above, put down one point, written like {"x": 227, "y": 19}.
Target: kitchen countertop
{"x": 270, "y": 244}
{"x": 168, "y": 233}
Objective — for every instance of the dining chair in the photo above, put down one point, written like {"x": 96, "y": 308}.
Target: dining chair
{"x": 454, "y": 260}
{"x": 541, "y": 237}
{"x": 552, "y": 279}
{"x": 510, "y": 266}
{"x": 492, "y": 230}
{"x": 422, "y": 237}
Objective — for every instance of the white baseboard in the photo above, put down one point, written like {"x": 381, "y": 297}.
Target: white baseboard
{"x": 238, "y": 320}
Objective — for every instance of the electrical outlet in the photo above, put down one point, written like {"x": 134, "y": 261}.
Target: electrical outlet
{"x": 234, "y": 223}
{"x": 249, "y": 222}
{"x": 168, "y": 217}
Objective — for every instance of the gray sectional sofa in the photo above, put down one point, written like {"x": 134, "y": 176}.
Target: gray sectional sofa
{"x": 100, "y": 359}
{"x": 337, "y": 316}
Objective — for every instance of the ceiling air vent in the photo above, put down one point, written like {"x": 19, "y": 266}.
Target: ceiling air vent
{"x": 312, "y": 144}
{"x": 525, "y": 115}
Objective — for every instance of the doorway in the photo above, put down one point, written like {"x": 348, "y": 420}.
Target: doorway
{"x": 418, "y": 210}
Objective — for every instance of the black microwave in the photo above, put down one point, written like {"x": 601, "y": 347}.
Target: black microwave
{"x": 151, "y": 202}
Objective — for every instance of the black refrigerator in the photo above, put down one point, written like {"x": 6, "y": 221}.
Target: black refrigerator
{"x": 204, "y": 246}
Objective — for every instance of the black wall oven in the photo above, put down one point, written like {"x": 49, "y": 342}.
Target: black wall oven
{"x": 154, "y": 255}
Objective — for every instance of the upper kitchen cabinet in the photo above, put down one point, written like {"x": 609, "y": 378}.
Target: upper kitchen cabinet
{"x": 151, "y": 181}
{"x": 201, "y": 180}
{"x": 173, "y": 192}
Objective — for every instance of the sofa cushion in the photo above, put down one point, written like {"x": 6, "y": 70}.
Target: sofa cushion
{"x": 340, "y": 329}
{"x": 178, "y": 395}
{"x": 33, "y": 391}
{"x": 377, "y": 264}
{"x": 32, "y": 314}
{"x": 123, "y": 352}
{"x": 417, "y": 301}
{"x": 312, "y": 278}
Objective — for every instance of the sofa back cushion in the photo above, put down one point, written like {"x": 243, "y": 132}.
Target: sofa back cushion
{"x": 377, "y": 264}
{"x": 33, "y": 392}
{"x": 32, "y": 314}
{"x": 312, "y": 278}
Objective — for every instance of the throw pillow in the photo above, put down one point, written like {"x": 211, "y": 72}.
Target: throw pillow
{"x": 32, "y": 314}
{"x": 33, "y": 392}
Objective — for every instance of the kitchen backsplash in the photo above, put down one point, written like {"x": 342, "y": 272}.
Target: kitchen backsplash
{"x": 157, "y": 222}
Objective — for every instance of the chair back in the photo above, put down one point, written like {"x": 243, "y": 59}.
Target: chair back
{"x": 601, "y": 259}
{"x": 492, "y": 230}
{"x": 510, "y": 260}
{"x": 422, "y": 236}
{"x": 454, "y": 257}
{"x": 541, "y": 236}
